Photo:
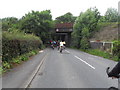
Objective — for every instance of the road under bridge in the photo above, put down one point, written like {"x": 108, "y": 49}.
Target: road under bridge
{"x": 63, "y": 32}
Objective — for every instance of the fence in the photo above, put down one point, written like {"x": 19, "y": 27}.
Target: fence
{"x": 105, "y": 46}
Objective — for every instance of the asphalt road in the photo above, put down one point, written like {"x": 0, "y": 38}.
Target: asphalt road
{"x": 71, "y": 69}
{"x": 21, "y": 75}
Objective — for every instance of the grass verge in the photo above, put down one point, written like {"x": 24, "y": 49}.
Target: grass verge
{"x": 101, "y": 54}
{"x": 6, "y": 66}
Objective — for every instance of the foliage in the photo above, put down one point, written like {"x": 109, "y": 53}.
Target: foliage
{"x": 1, "y": 70}
{"x": 66, "y": 18}
{"x": 17, "y": 34}
{"x": 6, "y": 65}
{"x": 9, "y": 23}
{"x": 85, "y": 25}
{"x": 116, "y": 49}
{"x": 84, "y": 43}
{"x": 16, "y": 61}
{"x": 111, "y": 15}
{"x": 15, "y": 44}
{"x": 102, "y": 19}
{"x": 38, "y": 23}
{"x": 101, "y": 53}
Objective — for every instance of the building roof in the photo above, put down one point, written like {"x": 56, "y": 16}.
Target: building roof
{"x": 64, "y": 25}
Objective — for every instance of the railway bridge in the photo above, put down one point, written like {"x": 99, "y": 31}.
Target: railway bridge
{"x": 63, "y": 32}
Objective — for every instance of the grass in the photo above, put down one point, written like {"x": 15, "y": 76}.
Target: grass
{"x": 101, "y": 54}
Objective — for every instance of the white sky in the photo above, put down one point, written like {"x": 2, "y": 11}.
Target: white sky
{"x": 18, "y": 8}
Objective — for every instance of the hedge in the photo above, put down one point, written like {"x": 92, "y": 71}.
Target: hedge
{"x": 15, "y": 44}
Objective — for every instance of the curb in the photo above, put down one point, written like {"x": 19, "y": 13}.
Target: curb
{"x": 27, "y": 84}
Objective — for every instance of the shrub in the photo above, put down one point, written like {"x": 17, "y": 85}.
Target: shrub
{"x": 16, "y": 61}
{"x": 116, "y": 49}
{"x": 1, "y": 70}
{"x": 17, "y": 43}
{"x": 6, "y": 65}
{"x": 84, "y": 43}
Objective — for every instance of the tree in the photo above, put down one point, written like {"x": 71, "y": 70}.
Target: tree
{"x": 9, "y": 23}
{"x": 38, "y": 23}
{"x": 111, "y": 15}
{"x": 68, "y": 17}
{"x": 84, "y": 27}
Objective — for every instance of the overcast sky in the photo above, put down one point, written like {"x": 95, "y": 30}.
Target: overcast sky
{"x": 18, "y": 8}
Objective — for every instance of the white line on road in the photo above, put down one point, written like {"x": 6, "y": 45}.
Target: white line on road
{"x": 84, "y": 62}
{"x": 67, "y": 51}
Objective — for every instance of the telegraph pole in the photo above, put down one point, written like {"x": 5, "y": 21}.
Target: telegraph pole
{"x": 119, "y": 21}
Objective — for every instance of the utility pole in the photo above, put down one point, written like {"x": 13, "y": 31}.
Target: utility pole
{"x": 119, "y": 21}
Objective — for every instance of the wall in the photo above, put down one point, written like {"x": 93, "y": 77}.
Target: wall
{"x": 105, "y": 46}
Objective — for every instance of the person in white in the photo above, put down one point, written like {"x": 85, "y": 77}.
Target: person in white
{"x": 61, "y": 44}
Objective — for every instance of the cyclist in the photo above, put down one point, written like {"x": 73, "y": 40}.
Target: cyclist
{"x": 64, "y": 44}
{"x": 61, "y": 46}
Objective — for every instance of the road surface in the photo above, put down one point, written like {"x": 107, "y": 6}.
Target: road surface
{"x": 71, "y": 69}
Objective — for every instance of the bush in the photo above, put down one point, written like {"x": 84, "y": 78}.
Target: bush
{"x": 116, "y": 49}
{"x": 16, "y": 61}
{"x": 16, "y": 43}
{"x": 84, "y": 43}
{"x": 6, "y": 65}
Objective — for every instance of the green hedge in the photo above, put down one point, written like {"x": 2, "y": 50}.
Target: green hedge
{"x": 15, "y": 44}
{"x": 116, "y": 49}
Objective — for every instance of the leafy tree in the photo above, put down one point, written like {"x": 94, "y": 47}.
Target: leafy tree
{"x": 85, "y": 26}
{"x": 9, "y": 23}
{"x": 102, "y": 19}
{"x": 68, "y": 17}
{"x": 111, "y": 15}
{"x": 38, "y": 23}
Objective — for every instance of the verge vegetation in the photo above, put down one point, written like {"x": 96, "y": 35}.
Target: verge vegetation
{"x": 18, "y": 47}
{"x": 90, "y": 22}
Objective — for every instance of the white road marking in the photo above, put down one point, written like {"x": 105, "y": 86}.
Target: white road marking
{"x": 84, "y": 62}
{"x": 67, "y": 51}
